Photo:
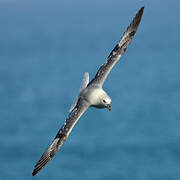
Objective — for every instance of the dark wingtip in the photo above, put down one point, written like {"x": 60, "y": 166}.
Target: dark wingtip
{"x": 137, "y": 18}
{"x": 142, "y": 7}
{"x": 34, "y": 173}
{"x": 141, "y": 11}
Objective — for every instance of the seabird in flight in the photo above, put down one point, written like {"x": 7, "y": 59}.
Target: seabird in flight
{"x": 91, "y": 94}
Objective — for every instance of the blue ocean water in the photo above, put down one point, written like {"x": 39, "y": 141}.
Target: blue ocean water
{"x": 45, "y": 48}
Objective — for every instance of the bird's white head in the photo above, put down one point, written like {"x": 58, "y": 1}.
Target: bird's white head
{"x": 106, "y": 101}
{"x": 98, "y": 98}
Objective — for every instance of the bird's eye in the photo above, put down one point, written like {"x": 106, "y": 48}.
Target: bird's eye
{"x": 104, "y": 101}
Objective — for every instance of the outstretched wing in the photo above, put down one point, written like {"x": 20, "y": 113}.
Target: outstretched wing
{"x": 85, "y": 81}
{"x": 118, "y": 51}
{"x": 84, "y": 84}
{"x": 62, "y": 135}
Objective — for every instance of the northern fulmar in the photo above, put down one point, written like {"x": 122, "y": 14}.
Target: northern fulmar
{"x": 91, "y": 94}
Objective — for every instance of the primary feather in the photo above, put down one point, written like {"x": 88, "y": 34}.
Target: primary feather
{"x": 62, "y": 135}
{"x": 118, "y": 50}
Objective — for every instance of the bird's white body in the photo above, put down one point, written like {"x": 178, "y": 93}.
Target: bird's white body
{"x": 96, "y": 97}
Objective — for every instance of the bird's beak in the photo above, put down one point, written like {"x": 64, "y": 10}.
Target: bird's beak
{"x": 109, "y": 107}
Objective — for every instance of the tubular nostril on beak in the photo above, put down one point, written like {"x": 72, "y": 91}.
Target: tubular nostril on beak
{"x": 109, "y": 107}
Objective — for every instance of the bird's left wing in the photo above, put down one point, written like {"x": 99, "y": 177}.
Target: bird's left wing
{"x": 118, "y": 51}
{"x": 62, "y": 135}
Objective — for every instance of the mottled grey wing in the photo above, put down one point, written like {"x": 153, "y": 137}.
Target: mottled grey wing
{"x": 118, "y": 51}
{"x": 62, "y": 135}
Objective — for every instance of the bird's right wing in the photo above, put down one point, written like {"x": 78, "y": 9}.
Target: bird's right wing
{"x": 118, "y": 51}
{"x": 84, "y": 84}
{"x": 62, "y": 135}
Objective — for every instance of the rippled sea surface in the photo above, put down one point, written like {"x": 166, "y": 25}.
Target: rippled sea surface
{"x": 45, "y": 48}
